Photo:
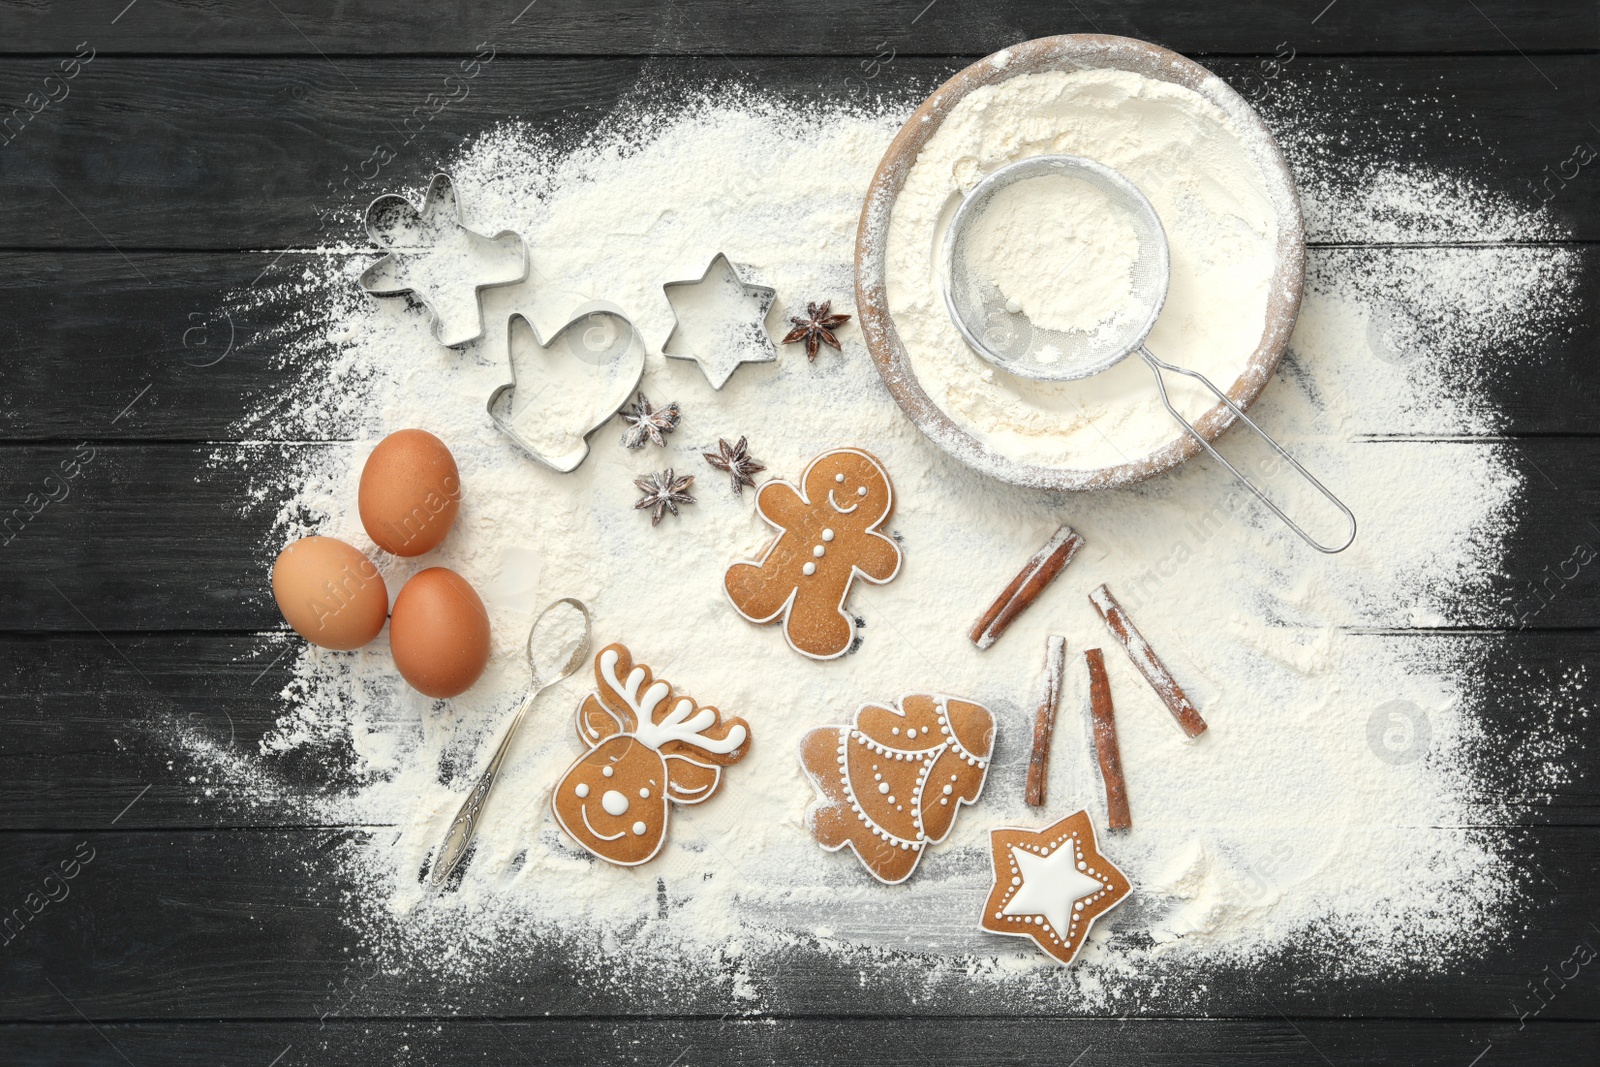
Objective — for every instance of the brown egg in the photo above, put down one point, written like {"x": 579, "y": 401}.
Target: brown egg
{"x": 329, "y": 592}
{"x": 410, "y": 492}
{"x": 439, "y": 633}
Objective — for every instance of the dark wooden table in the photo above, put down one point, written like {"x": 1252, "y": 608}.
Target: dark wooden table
{"x": 198, "y": 145}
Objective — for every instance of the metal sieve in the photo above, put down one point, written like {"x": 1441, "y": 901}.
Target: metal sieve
{"x": 1000, "y": 332}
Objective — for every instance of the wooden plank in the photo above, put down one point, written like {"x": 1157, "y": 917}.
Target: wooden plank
{"x": 252, "y": 153}
{"x": 135, "y": 729}
{"x": 846, "y": 1043}
{"x": 257, "y": 924}
{"x": 202, "y": 331}
{"x": 827, "y": 27}
{"x": 94, "y": 732}
{"x": 204, "y": 547}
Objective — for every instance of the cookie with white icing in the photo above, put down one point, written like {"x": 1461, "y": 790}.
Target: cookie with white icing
{"x": 1050, "y": 885}
{"x": 829, "y": 534}
{"x": 892, "y": 780}
{"x": 646, "y": 753}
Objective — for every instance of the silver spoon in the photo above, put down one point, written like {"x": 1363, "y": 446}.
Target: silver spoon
{"x": 558, "y": 644}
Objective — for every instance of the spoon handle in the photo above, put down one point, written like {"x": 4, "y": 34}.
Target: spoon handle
{"x": 464, "y": 827}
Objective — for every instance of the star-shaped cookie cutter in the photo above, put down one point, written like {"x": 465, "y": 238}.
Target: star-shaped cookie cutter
{"x": 431, "y": 254}
{"x": 719, "y": 366}
{"x": 1051, "y": 885}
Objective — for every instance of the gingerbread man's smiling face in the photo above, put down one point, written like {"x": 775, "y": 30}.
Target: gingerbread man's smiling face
{"x": 852, "y": 485}
{"x": 614, "y": 800}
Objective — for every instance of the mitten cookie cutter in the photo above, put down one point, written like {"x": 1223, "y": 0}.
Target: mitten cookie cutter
{"x": 598, "y": 356}
{"x": 718, "y": 367}
{"x": 439, "y": 259}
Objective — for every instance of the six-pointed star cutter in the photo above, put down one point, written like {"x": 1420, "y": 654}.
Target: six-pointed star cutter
{"x": 719, "y": 365}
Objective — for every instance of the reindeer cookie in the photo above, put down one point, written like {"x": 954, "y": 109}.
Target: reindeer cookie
{"x": 828, "y": 536}
{"x": 892, "y": 780}
{"x": 643, "y": 753}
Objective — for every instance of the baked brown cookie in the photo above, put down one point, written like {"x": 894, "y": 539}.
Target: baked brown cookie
{"x": 892, "y": 780}
{"x": 1051, "y": 885}
{"x": 828, "y": 536}
{"x": 646, "y": 753}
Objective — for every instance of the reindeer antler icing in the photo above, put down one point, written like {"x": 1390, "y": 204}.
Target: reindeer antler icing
{"x": 677, "y": 724}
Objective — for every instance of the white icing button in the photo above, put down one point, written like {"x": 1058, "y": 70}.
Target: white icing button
{"x": 895, "y": 730}
{"x": 891, "y": 800}
{"x": 639, "y": 828}
{"x": 838, "y": 477}
{"x": 608, "y": 772}
{"x": 582, "y": 790}
{"x": 883, "y": 787}
{"x": 948, "y": 790}
{"x": 827, "y": 535}
{"x": 819, "y": 551}
{"x": 614, "y": 802}
{"x": 809, "y": 568}
{"x": 862, "y": 491}
{"x": 644, "y": 794}
{"x": 911, "y": 732}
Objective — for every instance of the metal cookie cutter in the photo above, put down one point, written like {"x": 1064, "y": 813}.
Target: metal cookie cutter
{"x": 432, "y": 255}
{"x": 563, "y": 391}
{"x": 712, "y": 293}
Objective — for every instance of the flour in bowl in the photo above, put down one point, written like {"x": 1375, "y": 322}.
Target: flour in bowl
{"x": 1184, "y": 153}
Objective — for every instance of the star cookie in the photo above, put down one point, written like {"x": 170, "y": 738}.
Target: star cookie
{"x": 1051, "y": 885}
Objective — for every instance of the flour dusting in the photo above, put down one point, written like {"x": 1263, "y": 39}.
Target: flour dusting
{"x": 1301, "y": 820}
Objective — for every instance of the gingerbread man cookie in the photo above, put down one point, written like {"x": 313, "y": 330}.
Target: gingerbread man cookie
{"x": 828, "y": 536}
{"x": 642, "y": 754}
{"x": 892, "y": 780}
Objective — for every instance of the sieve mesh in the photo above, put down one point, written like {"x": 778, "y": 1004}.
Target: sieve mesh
{"x": 1002, "y": 333}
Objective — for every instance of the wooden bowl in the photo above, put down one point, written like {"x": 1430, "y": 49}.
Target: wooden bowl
{"x": 1073, "y": 52}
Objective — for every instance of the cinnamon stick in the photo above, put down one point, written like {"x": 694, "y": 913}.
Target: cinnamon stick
{"x": 1040, "y": 570}
{"x": 1044, "y": 721}
{"x": 1148, "y": 663}
{"x": 1105, "y": 742}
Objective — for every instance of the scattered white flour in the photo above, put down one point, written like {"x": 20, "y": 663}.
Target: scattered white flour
{"x": 1307, "y": 819}
{"x": 1179, "y": 149}
{"x": 1060, "y": 253}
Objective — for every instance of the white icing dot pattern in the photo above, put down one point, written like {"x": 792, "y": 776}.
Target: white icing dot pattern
{"x": 927, "y": 758}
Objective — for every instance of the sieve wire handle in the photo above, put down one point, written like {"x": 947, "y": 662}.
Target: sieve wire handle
{"x": 1157, "y": 366}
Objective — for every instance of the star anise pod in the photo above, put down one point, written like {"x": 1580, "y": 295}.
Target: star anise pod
{"x": 817, "y": 329}
{"x": 735, "y": 459}
{"x": 649, "y": 423}
{"x": 663, "y": 492}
